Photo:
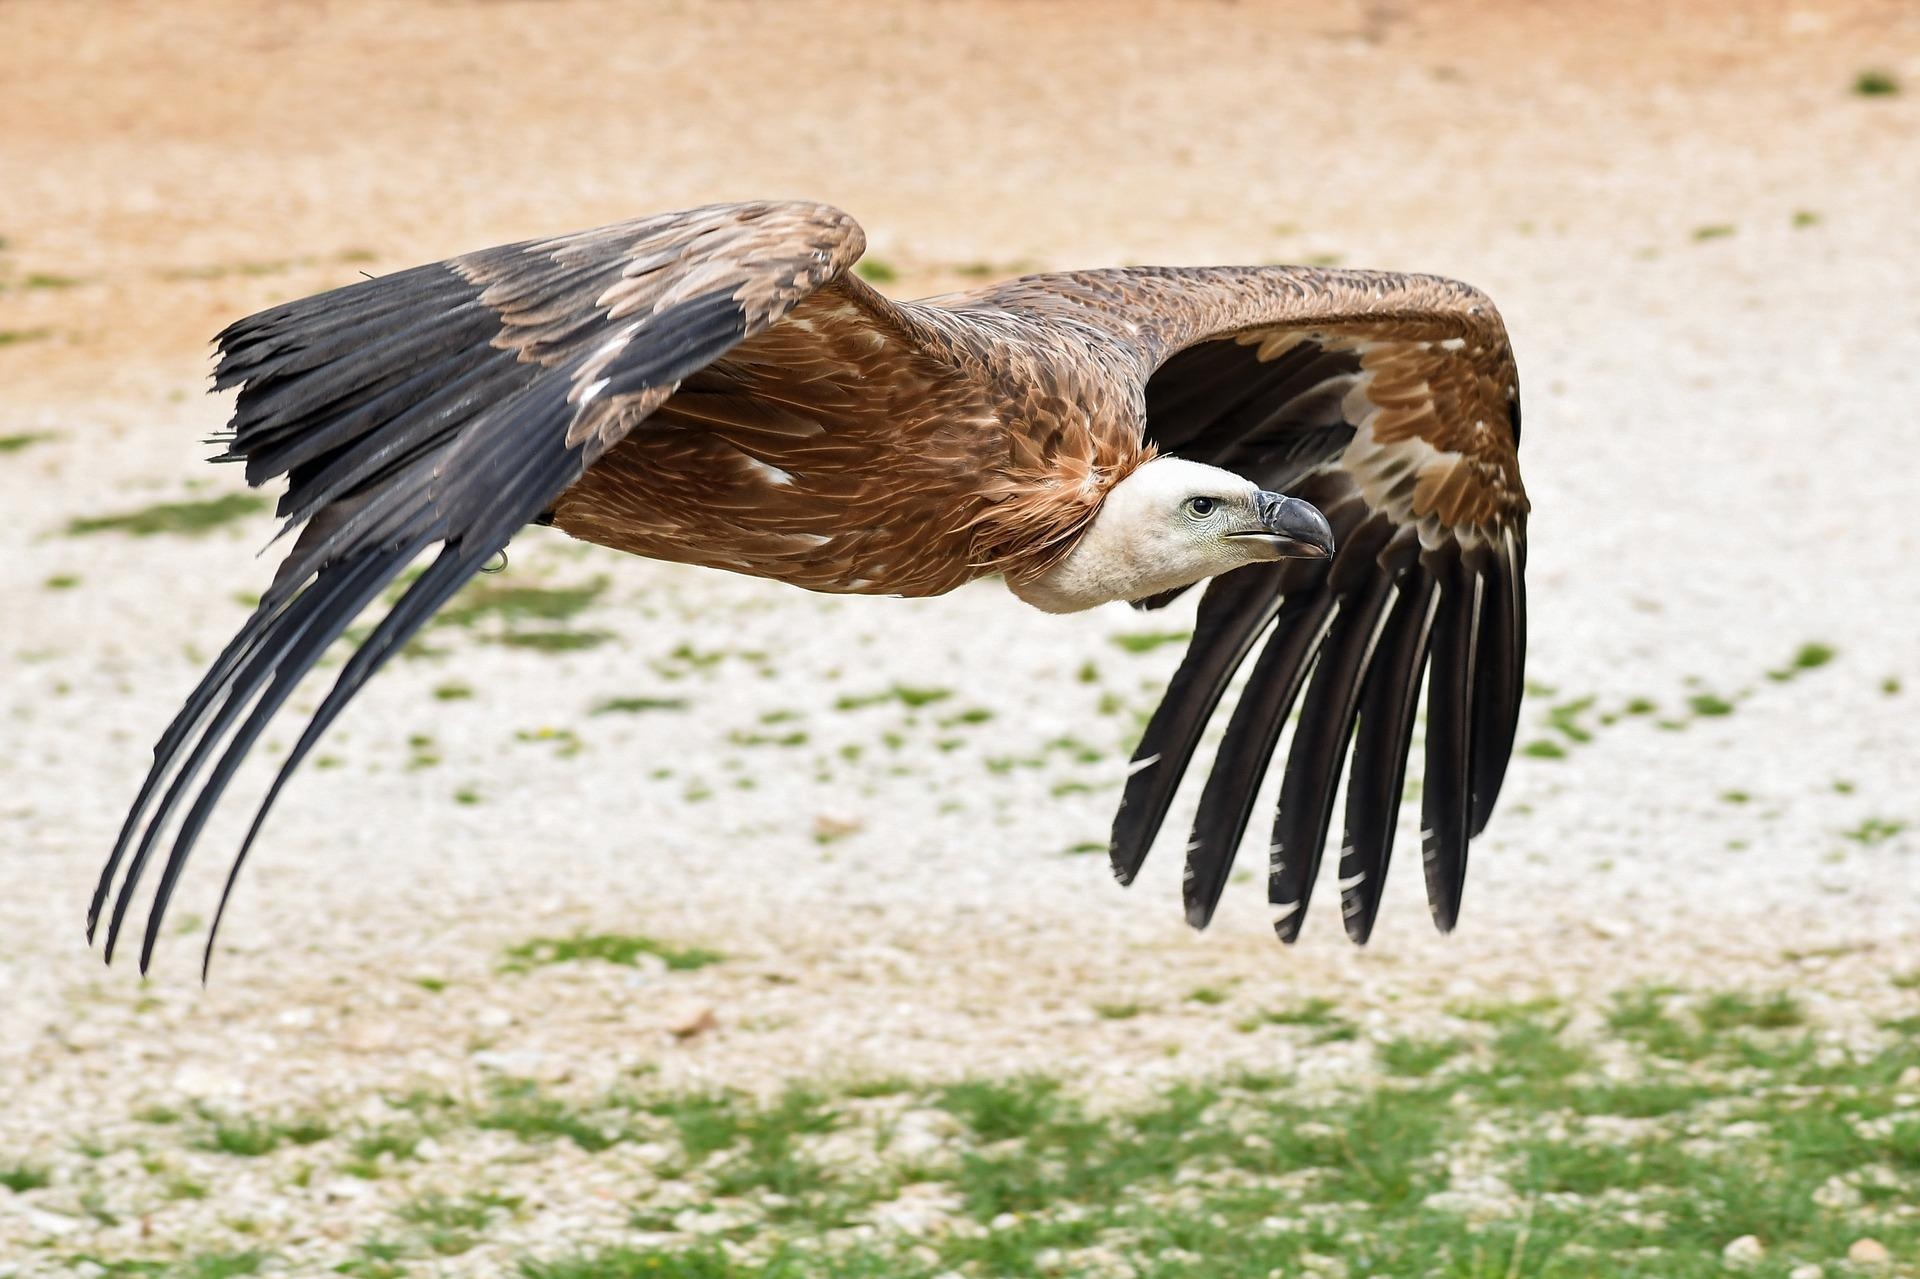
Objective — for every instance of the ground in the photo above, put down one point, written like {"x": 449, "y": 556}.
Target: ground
{"x": 651, "y": 921}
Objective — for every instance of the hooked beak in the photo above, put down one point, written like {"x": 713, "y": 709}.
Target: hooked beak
{"x": 1290, "y": 528}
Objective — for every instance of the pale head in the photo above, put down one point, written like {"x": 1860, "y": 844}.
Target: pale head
{"x": 1169, "y": 524}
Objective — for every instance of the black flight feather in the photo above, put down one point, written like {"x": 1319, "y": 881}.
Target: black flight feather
{"x": 1226, "y": 804}
{"x": 1380, "y": 743}
{"x": 1233, "y": 612}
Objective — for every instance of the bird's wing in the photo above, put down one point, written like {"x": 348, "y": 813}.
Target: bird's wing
{"x": 1392, "y": 404}
{"x": 448, "y": 404}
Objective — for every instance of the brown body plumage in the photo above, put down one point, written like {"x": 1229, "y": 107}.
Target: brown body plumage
{"x": 714, "y": 387}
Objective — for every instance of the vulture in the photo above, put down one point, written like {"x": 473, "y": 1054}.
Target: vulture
{"x": 1332, "y": 451}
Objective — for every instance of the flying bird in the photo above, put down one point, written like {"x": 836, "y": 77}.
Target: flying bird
{"x": 1334, "y": 449}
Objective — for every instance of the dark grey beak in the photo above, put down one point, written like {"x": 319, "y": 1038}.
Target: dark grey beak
{"x": 1291, "y": 528}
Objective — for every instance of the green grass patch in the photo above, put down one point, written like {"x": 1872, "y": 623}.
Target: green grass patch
{"x": 19, "y": 337}
{"x": 1640, "y": 1169}
{"x": 610, "y": 948}
{"x": 1874, "y": 830}
{"x": 518, "y": 1106}
{"x": 910, "y": 697}
{"x": 1147, "y": 641}
{"x": 638, "y": 705}
{"x": 1417, "y": 1057}
{"x": 187, "y": 519}
{"x": 875, "y": 271}
{"x": 1808, "y": 657}
{"x": 251, "y": 1136}
{"x": 26, "y": 440}
{"x": 20, "y": 1178}
{"x": 1876, "y": 84}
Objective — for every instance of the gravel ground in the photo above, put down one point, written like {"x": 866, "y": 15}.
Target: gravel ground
{"x": 1701, "y": 236}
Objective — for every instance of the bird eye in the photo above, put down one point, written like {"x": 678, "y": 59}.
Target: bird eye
{"x": 1200, "y": 507}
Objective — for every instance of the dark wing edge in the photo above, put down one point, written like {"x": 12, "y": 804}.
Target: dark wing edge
{"x": 447, "y": 404}
{"x": 1391, "y": 403}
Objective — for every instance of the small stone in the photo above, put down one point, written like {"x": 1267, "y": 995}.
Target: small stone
{"x": 1806, "y": 1270}
{"x": 828, "y": 827}
{"x": 1868, "y": 1252}
{"x": 694, "y": 1020}
{"x": 1743, "y": 1252}
{"x": 1838, "y": 1193}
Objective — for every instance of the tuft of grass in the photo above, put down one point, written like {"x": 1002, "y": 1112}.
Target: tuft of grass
{"x": 875, "y": 271}
{"x": 450, "y": 1224}
{"x": 513, "y": 605}
{"x": 1147, "y": 641}
{"x": 638, "y": 705}
{"x": 20, "y": 1178}
{"x": 251, "y": 1136}
{"x": 61, "y": 582}
{"x": 1211, "y": 996}
{"x": 26, "y": 440}
{"x": 1810, "y": 656}
{"x": 1417, "y": 1057}
{"x": 1118, "y": 1012}
{"x": 910, "y": 697}
{"x": 1717, "y": 231}
{"x": 1541, "y": 748}
{"x": 612, "y": 948}
{"x": 17, "y": 337}
{"x": 519, "y": 1107}
{"x": 188, "y": 519}
{"x": 453, "y": 691}
{"x": 1709, "y": 705}
{"x": 50, "y": 280}
{"x": 1875, "y": 83}
{"x": 219, "y": 1265}
{"x": 1316, "y": 1013}
{"x": 1874, "y": 830}
{"x": 625, "y": 1262}
{"x": 1730, "y": 1009}
{"x": 998, "y": 1110}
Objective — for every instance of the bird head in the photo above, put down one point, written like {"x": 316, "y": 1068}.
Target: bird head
{"x": 1170, "y": 524}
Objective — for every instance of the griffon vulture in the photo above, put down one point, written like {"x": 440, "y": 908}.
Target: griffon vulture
{"x": 717, "y": 387}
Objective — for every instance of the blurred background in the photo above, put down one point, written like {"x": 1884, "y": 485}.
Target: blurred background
{"x": 652, "y": 921}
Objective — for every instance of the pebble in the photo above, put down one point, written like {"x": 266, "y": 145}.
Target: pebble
{"x": 1868, "y": 1252}
{"x": 693, "y": 1020}
{"x": 1744, "y": 1252}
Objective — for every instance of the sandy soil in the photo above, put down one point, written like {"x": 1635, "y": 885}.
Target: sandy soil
{"x": 1702, "y": 240}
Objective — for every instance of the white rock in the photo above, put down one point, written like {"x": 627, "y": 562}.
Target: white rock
{"x": 1806, "y": 1270}
{"x": 1743, "y": 1252}
{"x": 1837, "y": 1192}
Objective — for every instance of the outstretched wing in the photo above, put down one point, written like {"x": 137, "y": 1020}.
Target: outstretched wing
{"x": 449, "y": 404}
{"x": 1391, "y": 403}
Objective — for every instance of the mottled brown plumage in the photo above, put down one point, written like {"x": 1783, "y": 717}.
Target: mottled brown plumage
{"x": 715, "y": 387}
